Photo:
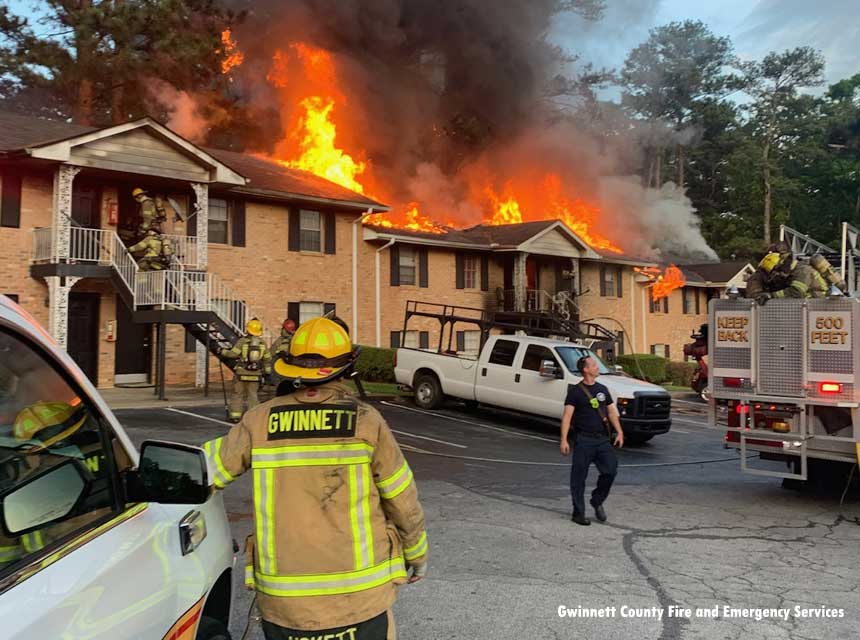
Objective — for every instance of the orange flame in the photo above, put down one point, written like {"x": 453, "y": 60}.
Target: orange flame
{"x": 663, "y": 282}
{"x": 232, "y": 56}
{"x": 411, "y": 219}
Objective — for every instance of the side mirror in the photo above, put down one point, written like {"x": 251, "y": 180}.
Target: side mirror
{"x": 548, "y": 369}
{"x": 619, "y": 368}
{"x": 45, "y": 498}
{"x": 169, "y": 473}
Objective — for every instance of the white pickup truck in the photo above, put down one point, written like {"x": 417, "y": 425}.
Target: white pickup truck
{"x": 512, "y": 372}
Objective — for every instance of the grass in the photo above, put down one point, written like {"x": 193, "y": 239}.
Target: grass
{"x": 674, "y": 387}
{"x": 380, "y": 389}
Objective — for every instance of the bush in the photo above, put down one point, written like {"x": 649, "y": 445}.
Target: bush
{"x": 376, "y": 365}
{"x": 638, "y": 365}
{"x": 680, "y": 373}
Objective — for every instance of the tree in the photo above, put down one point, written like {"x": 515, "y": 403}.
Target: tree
{"x": 681, "y": 65}
{"x": 774, "y": 84}
{"x": 96, "y": 64}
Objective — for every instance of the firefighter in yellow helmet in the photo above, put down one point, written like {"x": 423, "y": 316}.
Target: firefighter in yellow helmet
{"x": 252, "y": 361}
{"x": 780, "y": 275}
{"x": 151, "y": 213}
{"x": 157, "y": 251}
{"x": 337, "y": 517}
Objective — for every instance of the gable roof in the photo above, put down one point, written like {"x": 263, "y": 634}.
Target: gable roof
{"x": 716, "y": 272}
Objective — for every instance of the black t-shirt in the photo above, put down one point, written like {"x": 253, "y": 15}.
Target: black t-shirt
{"x": 586, "y": 419}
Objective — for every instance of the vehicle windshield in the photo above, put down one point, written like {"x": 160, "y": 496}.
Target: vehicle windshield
{"x": 571, "y": 354}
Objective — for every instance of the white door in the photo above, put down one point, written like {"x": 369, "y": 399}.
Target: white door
{"x": 543, "y": 396}
{"x": 497, "y": 381}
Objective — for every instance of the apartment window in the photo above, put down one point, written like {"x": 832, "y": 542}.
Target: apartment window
{"x": 470, "y": 272}
{"x": 660, "y": 305}
{"x": 691, "y": 300}
{"x": 310, "y": 231}
{"x": 661, "y": 350}
{"x": 218, "y": 221}
{"x": 410, "y": 339}
{"x": 309, "y": 310}
{"x": 610, "y": 282}
{"x": 469, "y": 342}
{"x": 407, "y": 265}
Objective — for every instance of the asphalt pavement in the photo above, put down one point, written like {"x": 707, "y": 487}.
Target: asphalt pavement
{"x": 686, "y": 531}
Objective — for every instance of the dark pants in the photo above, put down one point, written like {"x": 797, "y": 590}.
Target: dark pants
{"x": 600, "y": 452}
{"x": 373, "y": 629}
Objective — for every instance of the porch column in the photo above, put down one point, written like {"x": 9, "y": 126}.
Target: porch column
{"x": 201, "y": 354}
{"x": 520, "y": 282}
{"x": 62, "y": 214}
{"x": 201, "y": 211}
{"x": 58, "y": 307}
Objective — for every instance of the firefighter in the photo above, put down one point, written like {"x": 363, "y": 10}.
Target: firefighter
{"x": 158, "y": 251}
{"x": 253, "y": 360}
{"x": 281, "y": 345}
{"x": 780, "y": 275}
{"x": 336, "y": 511}
{"x": 151, "y": 214}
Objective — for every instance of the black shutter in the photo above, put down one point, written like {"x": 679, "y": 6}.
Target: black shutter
{"x": 461, "y": 341}
{"x": 698, "y": 308}
{"x": 190, "y": 342}
{"x": 620, "y": 350}
{"x": 666, "y": 304}
{"x": 460, "y": 267}
{"x": 395, "y": 339}
{"x": 10, "y": 200}
{"x": 329, "y": 232}
{"x": 618, "y": 290}
{"x": 602, "y": 281}
{"x": 666, "y": 351}
{"x": 293, "y": 312}
{"x": 294, "y": 242}
{"x": 485, "y": 273}
{"x": 422, "y": 268}
{"x": 329, "y": 307}
{"x": 237, "y": 222}
{"x": 394, "y": 254}
{"x": 424, "y": 340}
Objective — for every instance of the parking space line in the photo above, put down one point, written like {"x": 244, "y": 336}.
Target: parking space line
{"x": 413, "y": 435}
{"x": 197, "y": 415}
{"x": 567, "y": 464}
{"x": 469, "y": 422}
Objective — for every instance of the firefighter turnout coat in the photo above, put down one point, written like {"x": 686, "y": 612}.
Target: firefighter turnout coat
{"x": 336, "y": 512}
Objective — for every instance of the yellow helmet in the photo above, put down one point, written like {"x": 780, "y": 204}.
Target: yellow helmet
{"x": 254, "y": 327}
{"x": 48, "y": 422}
{"x": 769, "y": 262}
{"x": 138, "y": 192}
{"x": 319, "y": 352}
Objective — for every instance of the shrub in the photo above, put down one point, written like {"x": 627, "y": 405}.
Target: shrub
{"x": 680, "y": 373}
{"x": 376, "y": 365}
{"x": 639, "y": 365}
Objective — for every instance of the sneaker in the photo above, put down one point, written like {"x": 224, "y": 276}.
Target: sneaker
{"x": 578, "y": 518}
{"x": 599, "y": 513}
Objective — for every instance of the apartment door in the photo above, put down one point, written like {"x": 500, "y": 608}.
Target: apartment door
{"x": 86, "y": 206}
{"x": 83, "y": 332}
{"x": 133, "y": 347}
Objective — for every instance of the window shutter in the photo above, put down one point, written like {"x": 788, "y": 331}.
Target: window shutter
{"x": 603, "y": 281}
{"x": 461, "y": 341}
{"x": 190, "y": 342}
{"x": 698, "y": 308}
{"x": 330, "y": 233}
{"x": 395, "y": 339}
{"x": 460, "y": 268}
{"x": 485, "y": 273}
{"x": 237, "y": 222}
{"x": 666, "y": 351}
{"x": 329, "y": 307}
{"x": 294, "y": 242}
{"x": 293, "y": 312}
{"x": 394, "y": 253}
{"x": 422, "y": 268}
{"x": 10, "y": 201}
{"x": 424, "y": 340}
{"x": 618, "y": 290}
{"x": 620, "y": 336}
{"x": 666, "y": 304}
{"x": 653, "y": 349}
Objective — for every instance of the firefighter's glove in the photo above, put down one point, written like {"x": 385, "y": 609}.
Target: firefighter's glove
{"x": 418, "y": 572}
{"x": 762, "y": 298}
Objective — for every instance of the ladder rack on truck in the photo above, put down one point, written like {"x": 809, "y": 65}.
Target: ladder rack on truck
{"x": 787, "y": 375}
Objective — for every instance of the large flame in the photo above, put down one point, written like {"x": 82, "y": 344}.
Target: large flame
{"x": 663, "y": 282}
{"x": 411, "y": 218}
{"x": 232, "y": 56}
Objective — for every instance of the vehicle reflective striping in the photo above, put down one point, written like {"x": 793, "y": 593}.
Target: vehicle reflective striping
{"x": 395, "y": 484}
{"x": 331, "y": 583}
{"x": 418, "y": 549}
{"x": 186, "y": 627}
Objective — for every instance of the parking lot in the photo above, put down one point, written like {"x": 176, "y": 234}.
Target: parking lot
{"x": 686, "y": 530}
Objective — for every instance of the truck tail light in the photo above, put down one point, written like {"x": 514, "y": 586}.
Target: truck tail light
{"x": 830, "y": 387}
{"x": 733, "y": 382}
{"x": 742, "y": 409}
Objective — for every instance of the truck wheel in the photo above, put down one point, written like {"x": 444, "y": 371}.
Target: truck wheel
{"x": 212, "y": 629}
{"x": 428, "y": 392}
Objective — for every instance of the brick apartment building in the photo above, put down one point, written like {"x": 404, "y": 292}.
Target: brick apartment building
{"x": 254, "y": 238}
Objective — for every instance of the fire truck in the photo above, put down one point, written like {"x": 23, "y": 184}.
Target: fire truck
{"x": 784, "y": 376}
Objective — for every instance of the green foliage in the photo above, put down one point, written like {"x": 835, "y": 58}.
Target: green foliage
{"x": 376, "y": 365}
{"x": 644, "y": 365}
{"x": 680, "y": 374}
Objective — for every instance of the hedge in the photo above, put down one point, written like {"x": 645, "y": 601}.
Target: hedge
{"x": 376, "y": 365}
{"x": 639, "y": 365}
{"x": 680, "y": 373}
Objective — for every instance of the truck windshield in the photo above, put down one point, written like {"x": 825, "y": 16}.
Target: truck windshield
{"x": 571, "y": 354}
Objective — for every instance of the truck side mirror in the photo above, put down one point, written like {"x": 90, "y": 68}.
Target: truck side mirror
{"x": 548, "y": 369}
{"x": 169, "y": 473}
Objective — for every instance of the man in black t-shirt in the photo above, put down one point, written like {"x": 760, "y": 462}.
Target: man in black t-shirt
{"x": 590, "y": 405}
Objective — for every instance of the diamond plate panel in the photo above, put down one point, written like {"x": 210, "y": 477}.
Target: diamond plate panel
{"x": 781, "y": 344}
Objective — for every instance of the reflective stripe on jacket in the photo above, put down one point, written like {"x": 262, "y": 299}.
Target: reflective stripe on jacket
{"x": 336, "y": 511}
